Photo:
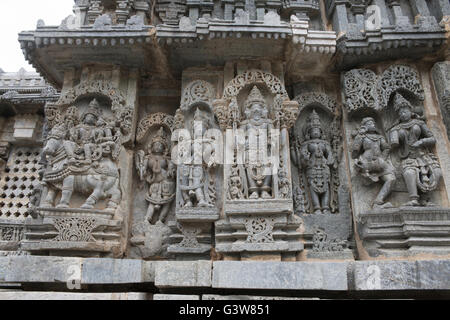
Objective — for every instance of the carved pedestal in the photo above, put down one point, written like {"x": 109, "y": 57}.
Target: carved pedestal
{"x": 257, "y": 229}
{"x": 406, "y": 231}
{"x": 73, "y": 232}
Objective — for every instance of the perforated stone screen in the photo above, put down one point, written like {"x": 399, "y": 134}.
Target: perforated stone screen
{"x": 17, "y": 182}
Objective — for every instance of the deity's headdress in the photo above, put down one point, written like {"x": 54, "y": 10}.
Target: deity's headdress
{"x": 94, "y": 109}
{"x": 313, "y": 122}
{"x": 400, "y": 102}
{"x": 159, "y": 136}
{"x": 254, "y": 97}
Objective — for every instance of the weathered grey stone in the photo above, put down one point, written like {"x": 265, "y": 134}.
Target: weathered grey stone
{"x": 280, "y": 275}
{"x": 39, "y": 269}
{"x": 149, "y": 271}
{"x": 21, "y": 269}
{"x": 183, "y": 274}
{"x": 18, "y": 295}
{"x": 402, "y": 275}
{"x": 175, "y": 297}
{"x": 112, "y": 271}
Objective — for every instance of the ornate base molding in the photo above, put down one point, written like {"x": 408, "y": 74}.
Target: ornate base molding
{"x": 81, "y": 232}
{"x": 263, "y": 227}
{"x": 406, "y": 231}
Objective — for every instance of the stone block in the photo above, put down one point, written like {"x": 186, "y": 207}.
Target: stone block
{"x": 402, "y": 275}
{"x": 20, "y": 295}
{"x": 280, "y": 275}
{"x": 183, "y": 274}
{"x": 38, "y": 269}
{"x": 112, "y": 271}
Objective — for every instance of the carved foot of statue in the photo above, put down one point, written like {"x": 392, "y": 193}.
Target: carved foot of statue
{"x": 254, "y": 195}
{"x": 87, "y": 206}
{"x": 47, "y": 205}
{"x": 412, "y": 203}
{"x": 62, "y": 206}
{"x": 429, "y": 204}
{"x": 317, "y": 211}
{"x": 202, "y": 203}
{"x": 326, "y": 211}
{"x": 188, "y": 204}
{"x": 386, "y": 205}
{"x": 266, "y": 195}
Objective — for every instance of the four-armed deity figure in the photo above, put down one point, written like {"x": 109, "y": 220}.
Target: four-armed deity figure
{"x": 317, "y": 157}
{"x": 371, "y": 150}
{"x": 420, "y": 168}
{"x": 257, "y": 128}
{"x": 194, "y": 177}
{"x": 157, "y": 169}
{"x": 80, "y": 159}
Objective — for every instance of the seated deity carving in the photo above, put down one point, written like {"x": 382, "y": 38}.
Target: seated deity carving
{"x": 371, "y": 151}
{"x": 413, "y": 140}
{"x": 81, "y": 159}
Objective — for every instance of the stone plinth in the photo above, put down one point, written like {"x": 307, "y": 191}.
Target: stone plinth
{"x": 406, "y": 231}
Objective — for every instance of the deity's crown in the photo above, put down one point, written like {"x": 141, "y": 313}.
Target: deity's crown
{"x": 94, "y": 109}
{"x": 400, "y": 102}
{"x": 159, "y": 136}
{"x": 254, "y": 96}
{"x": 198, "y": 114}
{"x": 313, "y": 122}
{"x": 367, "y": 119}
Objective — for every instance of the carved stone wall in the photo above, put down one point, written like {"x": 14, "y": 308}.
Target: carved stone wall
{"x": 396, "y": 173}
{"x": 181, "y": 133}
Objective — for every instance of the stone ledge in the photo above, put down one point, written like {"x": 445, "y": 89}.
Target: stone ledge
{"x": 280, "y": 275}
{"x": 40, "y": 269}
{"x": 19, "y": 295}
{"x": 183, "y": 274}
{"x": 402, "y": 275}
{"x": 361, "y": 276}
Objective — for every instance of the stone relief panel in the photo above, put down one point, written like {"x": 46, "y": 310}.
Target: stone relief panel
{"x": 255, "y": 114}
{"x": 197, "y": 154}
{"x": 82, "y": 187}
{"x": 441, "y": 79}
{"x": 155, "y": 191}
{"x": 396, "y": 175}
{"x": 318, "y": 175}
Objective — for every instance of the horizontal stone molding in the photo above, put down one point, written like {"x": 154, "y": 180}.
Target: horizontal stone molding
{"x": 363, "y": 276}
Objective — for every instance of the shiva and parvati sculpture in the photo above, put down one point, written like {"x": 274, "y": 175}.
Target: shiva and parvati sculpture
{"x": 81, "y": 152}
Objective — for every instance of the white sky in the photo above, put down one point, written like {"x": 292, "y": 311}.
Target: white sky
{"x": 22, "y": 15}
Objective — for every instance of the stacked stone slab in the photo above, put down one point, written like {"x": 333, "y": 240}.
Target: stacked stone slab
{"x": 349, "y": 97}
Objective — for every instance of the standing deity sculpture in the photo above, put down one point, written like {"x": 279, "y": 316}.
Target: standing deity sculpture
{"x": 316, "y": 156}
{"x": 412, "y": 137}
{"x": 371, "y": 150}
{"x": 156, "y": 168}
{"x": 195, "y": 182}
{"x": 257, "y": 128}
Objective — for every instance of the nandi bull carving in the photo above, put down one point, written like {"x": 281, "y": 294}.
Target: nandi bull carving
{"x": 82, "y": 153}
